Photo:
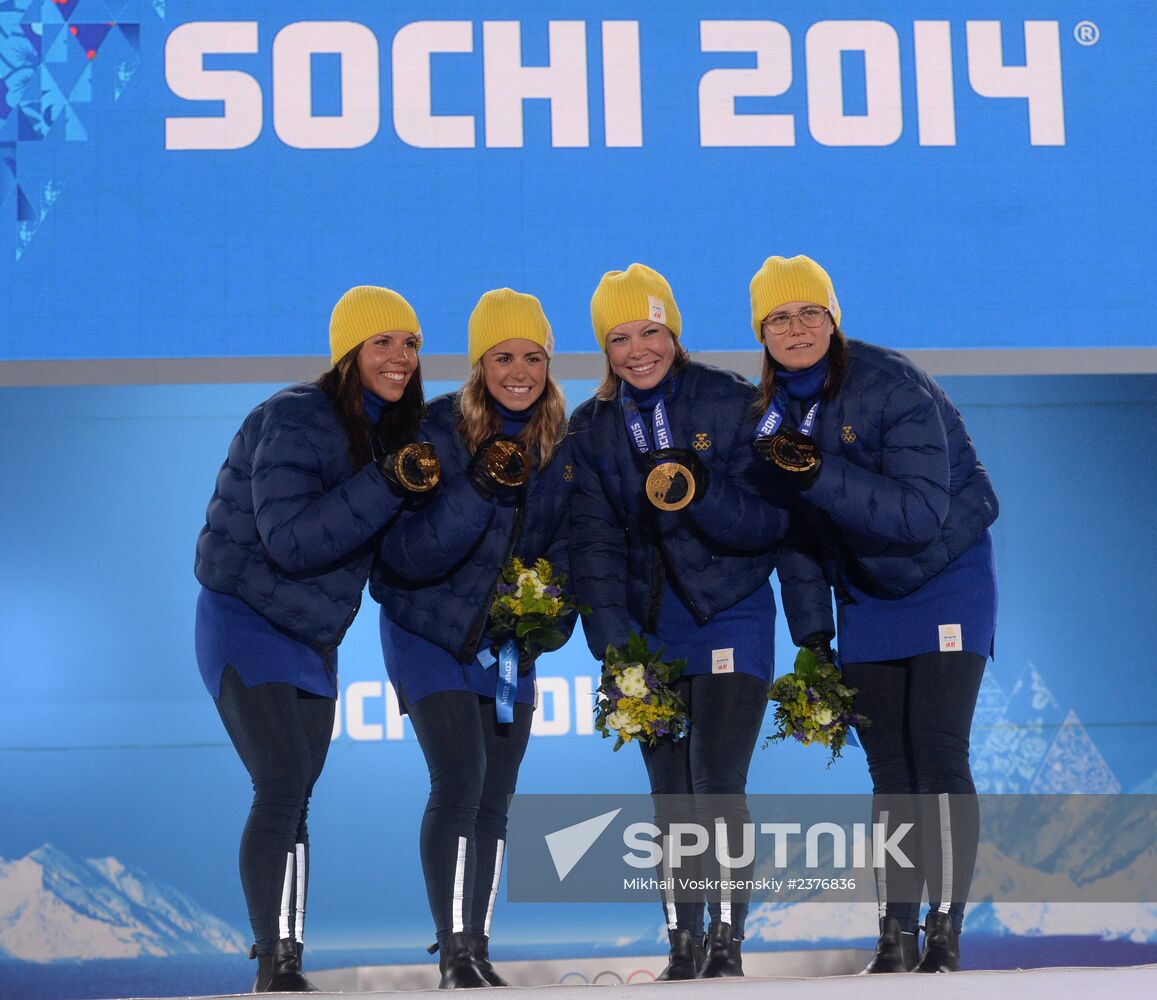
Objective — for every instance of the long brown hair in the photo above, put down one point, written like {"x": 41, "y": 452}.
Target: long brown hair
{"x": 837, "y": 368}
{"x": 609, "y": 387}
{"x": 399, "y": 421}
{"x": 479, "y": 417}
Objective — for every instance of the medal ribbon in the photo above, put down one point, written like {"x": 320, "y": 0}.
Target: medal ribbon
{"x": 774, "y": 417}
{"x": 637, "y": 429}
{"x": 507, "y": 664}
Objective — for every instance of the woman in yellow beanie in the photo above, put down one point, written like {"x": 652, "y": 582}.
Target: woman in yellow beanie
{"x": 313, "y": 475}
{"x": 469, "y": 693}
{"x": 671, "y": 539}
{"x": 891, "y": 511}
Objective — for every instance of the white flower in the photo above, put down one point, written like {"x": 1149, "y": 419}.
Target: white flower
{"x": 623, "y": 723}
{"x": 530, "y": 576}
{"x": 823, "y": 715}
{"x": 632, "y": 682}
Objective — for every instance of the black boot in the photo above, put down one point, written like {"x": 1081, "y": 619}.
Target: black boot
{"x": 264, "y": 970}
{"x": 456, "y": 963}
{"x": 722, "y": 958}
{"x": 481, "y": 947}
{"x": 895, "y": 951}
{"x": 281, "y": 971}
{"x": 681, "y": 963}
{"x": 941, "y": 944}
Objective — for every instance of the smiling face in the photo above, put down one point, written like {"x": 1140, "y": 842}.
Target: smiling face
{"x": 515, "y": 373}
{"x": 796, "y": 346}
{"x": 386, "y": 363}
{"x": 641, "y": 352}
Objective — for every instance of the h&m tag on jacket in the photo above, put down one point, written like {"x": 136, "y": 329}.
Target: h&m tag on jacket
{"x": 723, "y": 661}
{"x": 950, "y": 639}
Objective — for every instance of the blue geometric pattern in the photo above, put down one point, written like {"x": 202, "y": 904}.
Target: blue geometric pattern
{"x": 57, "y": 56}
{"x": 1024, "y": 742}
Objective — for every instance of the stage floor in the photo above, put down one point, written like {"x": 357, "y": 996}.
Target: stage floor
{"x": 1030, "y": 984}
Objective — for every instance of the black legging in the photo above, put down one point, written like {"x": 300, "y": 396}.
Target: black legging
{"x": 726, "y": 713}
{"x": 473, "y": 761}
{"x": 920, "y": 710}
{"x": 282, "y": 735}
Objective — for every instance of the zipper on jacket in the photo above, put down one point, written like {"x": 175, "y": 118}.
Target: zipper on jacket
{"x": 328, "y": 651}
{"x": 658, "y": 573}
{"x": 470, "y": 649}
{"x": 660, "y": 570}
{"x": 680, "y": 589}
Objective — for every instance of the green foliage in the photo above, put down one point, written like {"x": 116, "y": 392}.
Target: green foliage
{"x": 636, "y": 700}
{"x": 814, "y": 705}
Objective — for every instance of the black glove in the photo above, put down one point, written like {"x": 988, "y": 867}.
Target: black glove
{"x": 412, "y": 469}
{"x": 526, "y": 658}
{"x": 674, "y": 492}
{"x": 793, "y": 454}
{"x": 821, "y": 645}
{"x": 499, "y": 465}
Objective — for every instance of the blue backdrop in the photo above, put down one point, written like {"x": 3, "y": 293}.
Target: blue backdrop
{"x": 893, "y": 142}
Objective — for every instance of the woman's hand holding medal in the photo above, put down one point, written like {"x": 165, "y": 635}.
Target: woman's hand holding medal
{"x": 412, "y": 469}
{"x": 793, "y": 453}
{"x": 499, "y": 465}
{"x": 676, "y": 478}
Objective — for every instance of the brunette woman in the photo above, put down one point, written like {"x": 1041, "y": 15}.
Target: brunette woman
{"x": 892, "y": 509}
{"x": 311, "y": 479}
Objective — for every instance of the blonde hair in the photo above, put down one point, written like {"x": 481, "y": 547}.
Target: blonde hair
{"x": 479, "y": 417}
{"x": 609, "y": 388}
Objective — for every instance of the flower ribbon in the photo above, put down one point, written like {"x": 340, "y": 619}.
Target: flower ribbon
{"x": 507, "y": 663}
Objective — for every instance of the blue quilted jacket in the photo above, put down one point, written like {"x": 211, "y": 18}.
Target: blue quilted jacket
{"x": 714, "y": 552}
{"x": 289, "y": 530}
{"x": 438, "y": 565}
{"x": 900, "y": 493}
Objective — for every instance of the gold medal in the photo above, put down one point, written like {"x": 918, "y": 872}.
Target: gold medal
{"x": 670, "y": 486}
{"x": 506, "y": 463}
{"x": 417, "y": 467}
{"x": 790, "y": 457}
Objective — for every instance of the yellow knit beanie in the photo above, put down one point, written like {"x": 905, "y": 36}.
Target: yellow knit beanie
{"x": 794, "y": 279}
{"x": 636, "y": 293}
{"x": 366, "y": 310}
{"x": 503, "y": 314}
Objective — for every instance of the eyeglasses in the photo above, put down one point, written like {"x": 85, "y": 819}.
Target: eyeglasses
{"x": 809, "y": 316}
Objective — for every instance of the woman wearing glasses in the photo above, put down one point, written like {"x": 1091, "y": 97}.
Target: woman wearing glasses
{"x": 671, "y": 540}
{"x": 892, "y": 509}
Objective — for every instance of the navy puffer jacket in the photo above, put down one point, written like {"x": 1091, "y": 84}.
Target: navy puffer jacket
{"x": 715, "y": 552}
{"x": 900, "y": 492}
{"x": 438, "y": 565}
{"x": 289, "y": 530}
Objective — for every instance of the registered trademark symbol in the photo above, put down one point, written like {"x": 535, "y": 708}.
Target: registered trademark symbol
{"x": 1087, "y": 33}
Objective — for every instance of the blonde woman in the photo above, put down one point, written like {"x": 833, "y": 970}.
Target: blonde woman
{"x": 505, "y": 491}
{"x": 670, "y": 538}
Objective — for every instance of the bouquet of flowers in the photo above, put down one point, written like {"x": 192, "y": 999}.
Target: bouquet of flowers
{"x": 814, "y": 705}
{"x": 528, "y": 605}
{"x": 636, "y": 701}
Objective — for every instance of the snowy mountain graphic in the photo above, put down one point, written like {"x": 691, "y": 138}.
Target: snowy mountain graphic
{"x": 53, "y": 908}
